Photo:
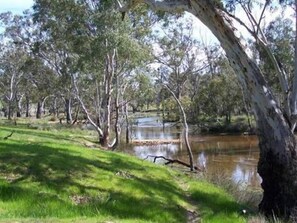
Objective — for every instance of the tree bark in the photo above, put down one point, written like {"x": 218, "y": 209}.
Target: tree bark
{"x": 117, "y": 127}
{"x": 39, "y": 110}
{"x": 68, "y": 110}
{"x": 9, "y": 111}
{"x": 27, "y": 106}
{"x": 19, "y": 105}
{"x": 127, "y": 124}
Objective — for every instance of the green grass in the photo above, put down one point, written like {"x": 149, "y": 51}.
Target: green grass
{"x": 217, "y": 205}
{"x": 49, "y": 176}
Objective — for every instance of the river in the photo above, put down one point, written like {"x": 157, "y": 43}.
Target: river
{"x": 236, "y": 156}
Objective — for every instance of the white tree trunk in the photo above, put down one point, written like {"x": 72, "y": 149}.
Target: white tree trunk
{"x": 186, "y": 128}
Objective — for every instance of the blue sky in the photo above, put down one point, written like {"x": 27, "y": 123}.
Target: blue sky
{"x": 15, "y": 6}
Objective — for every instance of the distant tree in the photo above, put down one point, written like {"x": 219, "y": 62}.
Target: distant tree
{"x": 141, "y": 91}
{"x": 178, "y": 56}
{"x": 11, "y": 76}
{"x": 220, "y": 93}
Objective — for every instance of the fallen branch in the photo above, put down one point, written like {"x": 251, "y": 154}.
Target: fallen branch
{"x": 6, "y": 137}
{"x": 169, "y": 161}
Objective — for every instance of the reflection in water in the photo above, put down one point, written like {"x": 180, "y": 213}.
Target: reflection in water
{"x": 236, "y": 156}
{"x": 168, "y": 150}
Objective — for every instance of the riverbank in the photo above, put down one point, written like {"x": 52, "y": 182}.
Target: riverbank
{"x": 50, "y": 176}
{"x": 240, "y": 124}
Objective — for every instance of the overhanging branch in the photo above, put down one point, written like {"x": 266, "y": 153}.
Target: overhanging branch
{"x": 165, "y": 5}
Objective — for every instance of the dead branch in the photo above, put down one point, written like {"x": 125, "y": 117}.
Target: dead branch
{"x": 169, "y": 161}
{"x": 6, "y": 137}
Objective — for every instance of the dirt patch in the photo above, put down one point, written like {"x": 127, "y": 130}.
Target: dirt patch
{"x": 193, "y": 217}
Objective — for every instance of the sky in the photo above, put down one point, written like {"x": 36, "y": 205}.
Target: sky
{"x": 15, "y": 6}
{"x": 199, "y": 31}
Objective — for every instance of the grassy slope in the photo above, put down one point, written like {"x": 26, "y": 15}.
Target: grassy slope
{"x": 49, "y": 175}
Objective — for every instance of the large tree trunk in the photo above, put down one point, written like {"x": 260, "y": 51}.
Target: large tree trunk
{"x": 278, "y": 161}
{"x": 277, "y": 165}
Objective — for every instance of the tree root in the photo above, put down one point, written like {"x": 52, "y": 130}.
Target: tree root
{"x": 169, "y": 161}
{"x": 6, "y": 137}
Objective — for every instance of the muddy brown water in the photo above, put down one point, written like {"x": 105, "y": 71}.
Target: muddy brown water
{"x": 236, "y": 155}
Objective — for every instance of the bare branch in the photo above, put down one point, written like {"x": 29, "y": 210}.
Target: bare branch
{"x": 99, "y": 130}
{"x": 169, "y": 161}
{"x": 262, "y": 16}
{"x": 8, "y": 136}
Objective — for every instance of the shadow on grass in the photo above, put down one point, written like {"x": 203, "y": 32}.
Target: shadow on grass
{"x": 56, "y": 170}
{"x": 216, "y": 205}
{"x": 32, "y": 132}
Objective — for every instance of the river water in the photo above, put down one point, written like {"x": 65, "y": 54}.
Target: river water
{"x": 234, "y": 156}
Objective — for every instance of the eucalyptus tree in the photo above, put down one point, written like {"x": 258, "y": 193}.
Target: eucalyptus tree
{"x": 178, "y": 57}
{"x": 278, "y": 156}
{"x": 140, "y": 91}
{"x": 40, "y": 83}
{"x": 14, "y": 53}
{"x": 98, "y": 50}
{"x": 178, "y": 54}
{"x": 36, "y": 84}
{"x": 10, "y": 79}
{"x": 54, "y": 46}
{"x": 219, "y": 93}
{"x": 280, "y": 37}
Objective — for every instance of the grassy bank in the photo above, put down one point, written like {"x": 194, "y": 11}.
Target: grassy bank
{"x": 50, "y": 176}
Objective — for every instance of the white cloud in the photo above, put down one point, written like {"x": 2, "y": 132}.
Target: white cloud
{"x": 15, "y": 6}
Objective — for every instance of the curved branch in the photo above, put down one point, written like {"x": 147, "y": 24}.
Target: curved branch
{"x": 8, "y": 136}
{"x": 169, "y": 161}
{"x": 99, "y": 130}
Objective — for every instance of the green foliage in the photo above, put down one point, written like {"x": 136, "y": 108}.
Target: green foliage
{"x": 141, "y": 91}
{"x": 280, "y": 36}
{"x": 173, "y": 113}
{"x": 219, "y": 94}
